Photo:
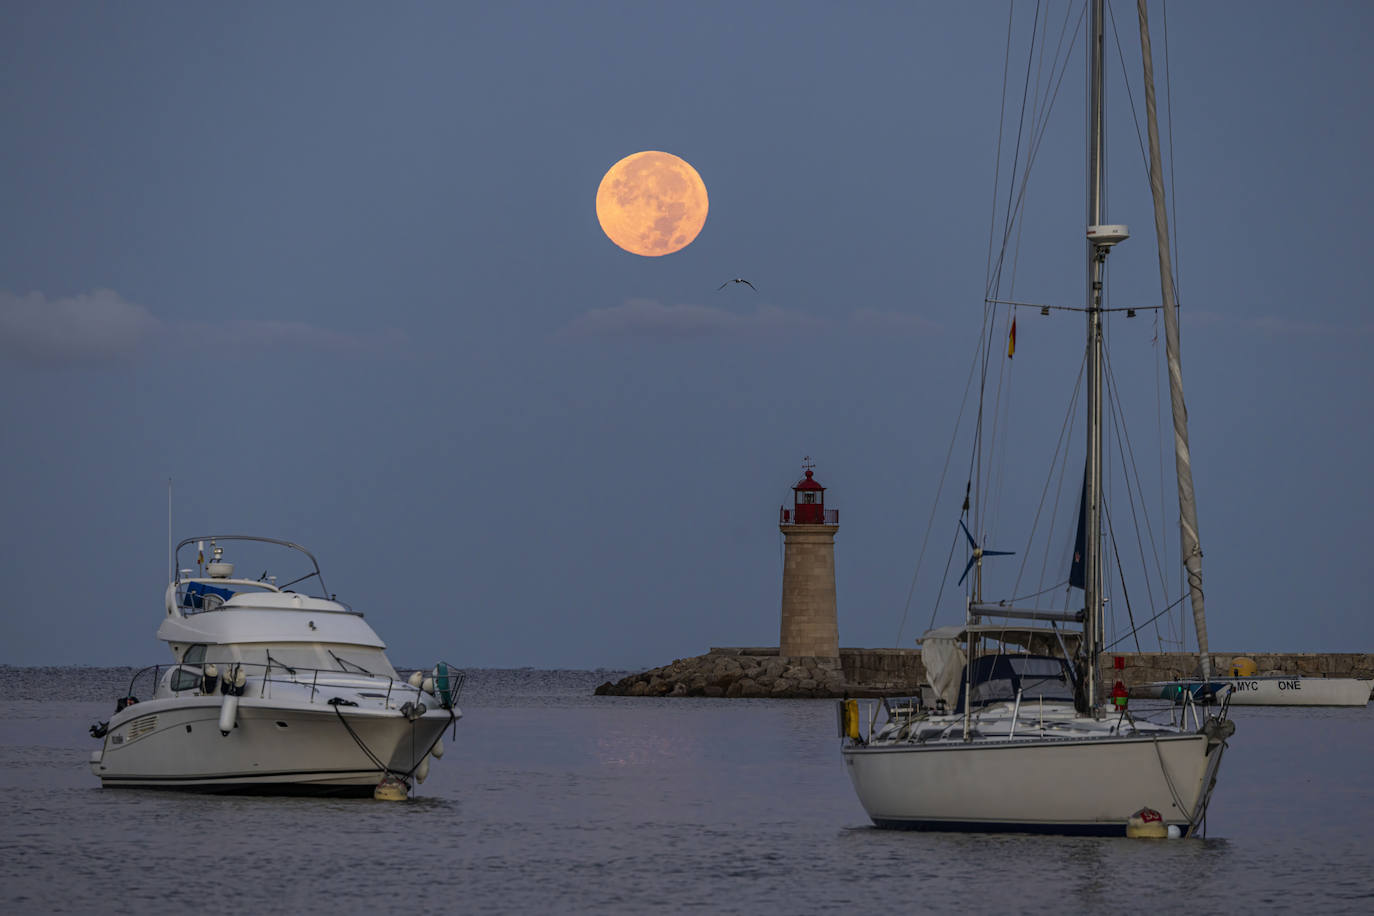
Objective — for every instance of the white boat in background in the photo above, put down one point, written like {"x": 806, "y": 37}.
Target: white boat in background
{"x": 1023, "y": 737}
{"x": 272, "y": 691}
{"x": 1244, "y": 687}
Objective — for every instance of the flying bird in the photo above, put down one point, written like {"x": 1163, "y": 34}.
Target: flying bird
{"x": 736, "y": 280}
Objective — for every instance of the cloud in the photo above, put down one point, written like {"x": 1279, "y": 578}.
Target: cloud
{"x": 99, "y": 327}
{"x": 648, "y": 318}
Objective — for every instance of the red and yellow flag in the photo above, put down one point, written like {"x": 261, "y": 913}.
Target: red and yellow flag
{"x": 1011, "y": 340}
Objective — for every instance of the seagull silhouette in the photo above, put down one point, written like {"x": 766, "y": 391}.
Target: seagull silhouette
{"x": 736, "y": 280}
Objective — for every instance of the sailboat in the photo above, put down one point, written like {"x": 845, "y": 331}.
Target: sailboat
{"x": 1021, "y": 735}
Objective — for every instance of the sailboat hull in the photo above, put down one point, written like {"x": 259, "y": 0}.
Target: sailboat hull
{"x": 1020, "y": 786}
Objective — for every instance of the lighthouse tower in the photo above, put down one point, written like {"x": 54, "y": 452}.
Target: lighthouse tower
{"x": 809, "y": 623}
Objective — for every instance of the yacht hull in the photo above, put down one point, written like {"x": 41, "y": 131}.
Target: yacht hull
{"x": 1273, "y": 691}
{"x": 271, "y": 748}
{"x": 1061, "y": 786}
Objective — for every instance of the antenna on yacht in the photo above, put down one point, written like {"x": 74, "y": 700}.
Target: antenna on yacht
{"x": 171, "y": 556}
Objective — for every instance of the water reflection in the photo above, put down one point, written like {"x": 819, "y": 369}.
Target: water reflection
{"x": 552, "y": 799}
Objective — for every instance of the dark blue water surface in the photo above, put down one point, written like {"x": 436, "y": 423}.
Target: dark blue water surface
{"x": 554, "y": 800}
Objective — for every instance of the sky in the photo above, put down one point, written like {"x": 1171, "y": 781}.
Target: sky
{"x": 334, "y": 270}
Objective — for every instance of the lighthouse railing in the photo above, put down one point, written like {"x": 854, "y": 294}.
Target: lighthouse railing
{"x": 788, "y": 516}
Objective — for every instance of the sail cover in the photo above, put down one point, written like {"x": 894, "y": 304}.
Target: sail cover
{"x": 944, "y": 662}
{"x": 943, "y": 654}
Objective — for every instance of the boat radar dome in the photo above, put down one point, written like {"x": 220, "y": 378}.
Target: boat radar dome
{"x": 1107, "y": 236}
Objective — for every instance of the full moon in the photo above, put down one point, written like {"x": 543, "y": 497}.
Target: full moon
{"x": 652, "y": 203}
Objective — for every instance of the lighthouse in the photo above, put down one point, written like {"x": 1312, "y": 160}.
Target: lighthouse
{"x": 809, "y": 623}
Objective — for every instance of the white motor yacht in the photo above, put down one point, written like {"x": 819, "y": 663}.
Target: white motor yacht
{"x": 272, "y": 691}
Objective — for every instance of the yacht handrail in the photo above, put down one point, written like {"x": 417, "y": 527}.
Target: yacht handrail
{"x": 176, "y": 563}
{"x": 301, "y": 675}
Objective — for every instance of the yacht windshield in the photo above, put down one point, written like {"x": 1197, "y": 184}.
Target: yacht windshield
{"x": 302, "y": 657}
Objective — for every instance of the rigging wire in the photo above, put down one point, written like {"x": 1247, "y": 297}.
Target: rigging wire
{"x": 1061, "y": 447}
{"x": 1045, "y": 558}
{"x": 995, "y": 392}
{"x": 1007, "y": 221}
{"x": 1052, "y": 94}
{"x": 1116, "y": 554}
{"x": 1017, "y": 599}
{"x": 990, "y": 310}
{"x": 1159, "y": 614}
{"x": 986, "y": 520}
{"x": 1029, "y": 137}
{"x": 1130, "y": 95}
{"x": 945, "y": 577}
{"x": 1130, "y": 467}
{"x": 997, "y": 160}
{"x": 994, "y": 404}
{"x": 940, "y": 487}
{"x": 1117, "y": 409}
{"x": 1014, "y": 224}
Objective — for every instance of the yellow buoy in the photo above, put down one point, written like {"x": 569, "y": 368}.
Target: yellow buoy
{"x": 1241, "y": 666}
{"x": 391, "y": 789}
{"x": 1147, "y": 823}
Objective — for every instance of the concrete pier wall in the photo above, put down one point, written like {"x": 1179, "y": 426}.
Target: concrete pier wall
{"x": 901, "y": 669}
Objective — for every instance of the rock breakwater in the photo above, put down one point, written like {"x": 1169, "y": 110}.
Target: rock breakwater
{"x": 735, "y": 673}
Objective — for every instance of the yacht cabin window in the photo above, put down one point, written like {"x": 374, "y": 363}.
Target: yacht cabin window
{"x": 184, "y": 679}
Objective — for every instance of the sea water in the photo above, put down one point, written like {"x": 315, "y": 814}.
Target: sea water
{"x": 552, "y": 800}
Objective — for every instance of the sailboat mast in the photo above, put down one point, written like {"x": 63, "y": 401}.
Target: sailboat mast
{"x": 1183, "y": 466}
{"x": 1092, "y": 554}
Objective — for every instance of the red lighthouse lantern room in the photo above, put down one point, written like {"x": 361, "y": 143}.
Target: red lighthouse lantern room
{"x": 808, "y": 503}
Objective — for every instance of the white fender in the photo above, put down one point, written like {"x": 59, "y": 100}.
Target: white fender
{"x": 422, "y": 771}
{"x": 209, "y": 680}
{"x": 438, "y": 750}
{"x": 228, "y": 711}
